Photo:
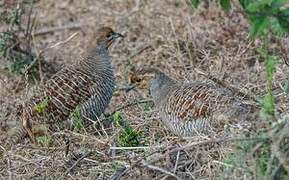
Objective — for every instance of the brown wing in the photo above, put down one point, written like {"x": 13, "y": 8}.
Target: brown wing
{"x": 63, "y": 92}
{"x": 197, "y": 101}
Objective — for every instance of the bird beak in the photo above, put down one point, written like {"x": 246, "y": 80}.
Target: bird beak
{"x": 117, "y": 35}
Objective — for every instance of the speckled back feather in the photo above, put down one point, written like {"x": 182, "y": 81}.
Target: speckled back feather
{"x": 196, "y": 107}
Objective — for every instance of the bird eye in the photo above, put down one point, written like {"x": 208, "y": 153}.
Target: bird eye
{"x": 138, "y": 80}
{"x": 108, "y": 36}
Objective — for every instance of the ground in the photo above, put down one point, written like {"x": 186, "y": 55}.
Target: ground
{"x": 171, "y": 35}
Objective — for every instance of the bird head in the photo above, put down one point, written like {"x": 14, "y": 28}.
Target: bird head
{"x": 142, "y": 77}
{"x": 159, "y": 81}
{"x": 105, "y": 36}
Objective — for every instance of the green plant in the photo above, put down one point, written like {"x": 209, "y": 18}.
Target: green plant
{"x": 237, "y": 160}
{"x": 270, "y": 67}
{"x": 15, "y": 41}
{"x": 269, "y": 19}
{"x": 77, "y": 119}
{"x": 44, "y": 141}
{"x": 127, "y": 137}
{"x": 254, "y": 159}
{"x": 195, "y": 3}
{"x": 225, "y": 4}
{"x": 263, "y": 14}
{"x": 41, "y": 106}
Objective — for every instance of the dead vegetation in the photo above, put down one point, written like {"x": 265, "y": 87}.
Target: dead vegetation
{"x": 185, "y": 43}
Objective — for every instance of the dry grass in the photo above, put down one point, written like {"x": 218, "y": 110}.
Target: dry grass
{"x": 167, "y": 34}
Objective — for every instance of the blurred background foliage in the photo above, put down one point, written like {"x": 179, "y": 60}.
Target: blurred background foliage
{"x": 269, "y": 20}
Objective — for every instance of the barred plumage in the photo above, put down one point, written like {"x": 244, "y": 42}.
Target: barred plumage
{"x": 87, "y": 84}
{"x": 195, "y": 107}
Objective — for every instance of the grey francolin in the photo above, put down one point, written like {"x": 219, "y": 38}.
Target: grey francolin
{"x": 188, "y": 109}
{"x": 87, "y": 84}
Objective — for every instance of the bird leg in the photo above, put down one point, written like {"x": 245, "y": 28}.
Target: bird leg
{"x": 27, "y": 126}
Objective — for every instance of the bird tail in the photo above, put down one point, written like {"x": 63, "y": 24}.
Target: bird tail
{"x": 244, "y": 110}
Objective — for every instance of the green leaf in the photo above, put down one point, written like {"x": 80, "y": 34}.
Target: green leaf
{"x": 195, "y": 3}
{"x": 259, "y": 25}
{"x": 284, "y": 23}
{"x": 77, "y": 119}
{"x": 225, "y": 4}
{"x": 277, "y": 28}
{"x": 271, "y": 63}
{"x": 244, "y": 3}
{"x": 127, "y": 136}
{"x": 267, "y": 106}
{"x": 117, "y": 118}
{"x": 41, "y": 106}
{"x": 259, "y": 6}
{"x": 44, "y": 141}
{"x": 278, "y": 3}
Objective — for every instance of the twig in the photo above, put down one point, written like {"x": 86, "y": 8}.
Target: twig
{"x": 46, "y": 30}
{"x": 72, "y": 133}
{"x": 132, "y": 148}
{"x": 269, "y": 165}
{"x": 286, "y": 61}
{"x": 275, "y": 148}
{"x": 126, "y": 88}
{"x": 222, "y": 163}
{"x": 125, "y": 170}
{"x": 63, "y": 42}
{"x": 40, "y": 71}
{"x": 161, "y": 170}
{"x": 177, "y": 162}
{"x": 76, "y": 162}
{"x": 131, "y": 104}
{"x": 116, "y": 175}
{"x": 275, "y": 171}
{"x": 139, "y": 51}
{"x": 219, "y": 141}
{"x": 67, "y": 144}
{"x": 172, "y": 149}
{"x": 43, "y": 31}
{"x": 29, "y": 28}
{"x": 256, "y": 148}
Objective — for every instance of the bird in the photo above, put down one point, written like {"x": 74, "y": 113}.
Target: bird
{"x": 193, "y": 108}
{"x": 87, "y": 85}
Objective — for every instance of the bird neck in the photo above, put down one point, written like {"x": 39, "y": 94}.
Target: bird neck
{"x": 161, "y": 86}
{"x": 100, "y": 49}
{"x": 97, "y": 63}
